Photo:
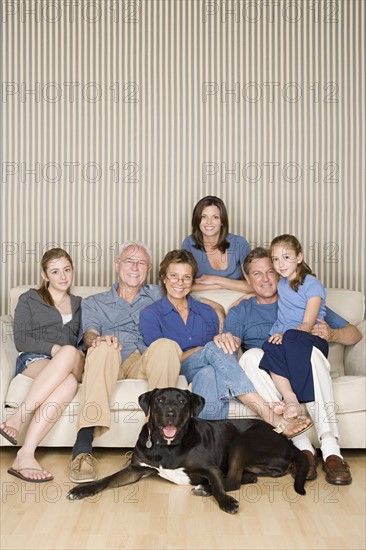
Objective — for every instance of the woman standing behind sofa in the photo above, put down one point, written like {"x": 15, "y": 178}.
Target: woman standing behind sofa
{"x": 218, "y": 253}
{"x": 46, "y": 327}
{"x": 214, "y": 375}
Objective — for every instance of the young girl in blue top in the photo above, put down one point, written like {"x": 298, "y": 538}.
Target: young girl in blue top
{"x": 301, "y": 303}
{"x": 218, "y": 253}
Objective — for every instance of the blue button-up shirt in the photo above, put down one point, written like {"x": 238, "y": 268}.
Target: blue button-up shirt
{"x": 109, "y": 314}
{"x": 162, "y": 320}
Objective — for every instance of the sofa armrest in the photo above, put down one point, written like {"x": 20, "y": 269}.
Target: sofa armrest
{"x": 8, "y": 354}
{"x": 355, "y": 356}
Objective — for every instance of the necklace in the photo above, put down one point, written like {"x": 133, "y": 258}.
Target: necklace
{"x": 60, "y": 303}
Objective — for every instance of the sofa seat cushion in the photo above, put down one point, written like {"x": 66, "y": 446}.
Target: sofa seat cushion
{"x": 124, "y": 398}
{"x": 349, "y": 397}
{"x": 349, "y": 394}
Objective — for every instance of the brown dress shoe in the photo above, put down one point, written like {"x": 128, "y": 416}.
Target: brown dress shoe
{"x": 313, "y": 463}
{"x": 337, "y": 471}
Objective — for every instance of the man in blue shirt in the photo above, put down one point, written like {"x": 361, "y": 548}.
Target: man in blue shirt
{"x": 249, "y": 323}
{"x": 116, "y": 350}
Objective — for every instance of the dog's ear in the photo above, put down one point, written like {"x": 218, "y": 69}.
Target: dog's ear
{"x": 197, "y": 403}
{"x": 144, "y": 401}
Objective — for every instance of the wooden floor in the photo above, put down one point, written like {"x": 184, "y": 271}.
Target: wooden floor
{"x": 156, "y": 514}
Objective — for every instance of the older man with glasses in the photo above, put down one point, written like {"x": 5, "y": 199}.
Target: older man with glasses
{"x": 116, "y": 350}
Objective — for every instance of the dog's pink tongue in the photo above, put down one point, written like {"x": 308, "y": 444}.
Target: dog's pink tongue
{"x": 169, "y": 431}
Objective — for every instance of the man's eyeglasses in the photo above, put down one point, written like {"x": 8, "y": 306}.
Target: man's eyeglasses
{"x": 186, "y": 279}
{"x": 130, "y": 262}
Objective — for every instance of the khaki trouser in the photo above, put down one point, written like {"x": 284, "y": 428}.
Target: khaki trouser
{"x": 159, "y": 365}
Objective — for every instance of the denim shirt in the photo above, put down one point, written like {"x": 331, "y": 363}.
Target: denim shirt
{"x": 162, "y": 320}
{"x": 109, "y": 314}
{"x": 238, "y": 249}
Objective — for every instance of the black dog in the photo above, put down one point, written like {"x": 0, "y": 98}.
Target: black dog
{"x": 216, "y": 455}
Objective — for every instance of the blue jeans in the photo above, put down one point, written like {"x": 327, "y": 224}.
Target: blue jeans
{"x": 26, "y": 358}
{"x": 216, "y": 376}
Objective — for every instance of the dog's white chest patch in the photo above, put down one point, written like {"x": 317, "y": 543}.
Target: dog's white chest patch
{"x": 177, "y": 476}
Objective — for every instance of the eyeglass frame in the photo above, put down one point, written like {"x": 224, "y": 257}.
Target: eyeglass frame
{"x": 176, "y": 279}
{"x": 130, "y": 261}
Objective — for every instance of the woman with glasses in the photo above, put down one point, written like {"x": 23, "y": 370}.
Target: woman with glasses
{"x": 192, "y": 324}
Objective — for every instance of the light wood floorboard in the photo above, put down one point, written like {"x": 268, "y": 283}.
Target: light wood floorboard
{"x": 156, "y": 514}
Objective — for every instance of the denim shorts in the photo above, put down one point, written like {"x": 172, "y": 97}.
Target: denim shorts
{"x": 26, "y": 358}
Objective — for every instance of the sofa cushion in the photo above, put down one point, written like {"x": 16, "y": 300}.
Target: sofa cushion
{"x": 125, "y": 395}
{"x": 350, "y": 304}
{"x": 224, "y": 297}
{"x": 349, "y": 395}
{"x": 82, "y": 291}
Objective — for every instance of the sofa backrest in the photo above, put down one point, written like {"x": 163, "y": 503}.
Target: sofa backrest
{"x": 350, "y": 304}
{"x": 83, "y": 291}
{"x": 347, "y": 303}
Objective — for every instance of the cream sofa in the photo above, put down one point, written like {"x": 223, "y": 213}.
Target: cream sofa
{"x": 348, "y": 373}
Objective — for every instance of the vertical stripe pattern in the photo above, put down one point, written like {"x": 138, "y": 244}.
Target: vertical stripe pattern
{"x": 118, "y": 116}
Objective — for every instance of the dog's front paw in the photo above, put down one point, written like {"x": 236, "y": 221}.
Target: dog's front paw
{"x": 80, "y": 491}
{"x": 202, "y": 491}
{"x": 229, "y": 504}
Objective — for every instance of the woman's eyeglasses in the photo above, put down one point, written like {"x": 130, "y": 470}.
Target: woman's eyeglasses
{"x": 186, "y": 279}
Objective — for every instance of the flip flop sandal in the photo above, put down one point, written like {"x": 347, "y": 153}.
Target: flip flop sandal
{"x": 282, "y": 426}
{"x": 12, "y": 440}
{"x": 17, "y": 473}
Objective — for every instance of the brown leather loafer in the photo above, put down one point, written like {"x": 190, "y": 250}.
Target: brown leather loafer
{"x": 313, "y": 463}
{"x": 337, "y": 471}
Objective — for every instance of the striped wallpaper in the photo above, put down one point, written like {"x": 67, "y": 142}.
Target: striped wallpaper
{"x": 118, "y": 116}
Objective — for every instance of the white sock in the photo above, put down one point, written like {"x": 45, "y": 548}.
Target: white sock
{"x": 329, "y": 446}
{"x": 303, "y": 443}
